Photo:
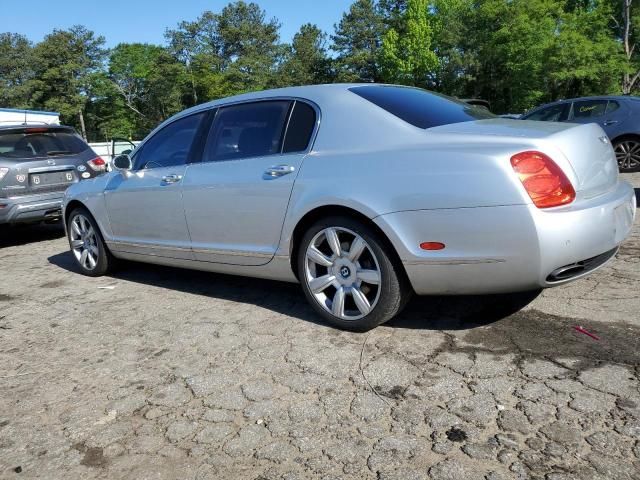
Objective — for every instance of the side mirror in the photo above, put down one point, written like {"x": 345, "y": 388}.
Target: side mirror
{"x": 122, "y": 162}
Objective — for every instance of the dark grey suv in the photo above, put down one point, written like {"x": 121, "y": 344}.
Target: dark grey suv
{"x": 37, "y": 164}
{"x": 618, "y": 116}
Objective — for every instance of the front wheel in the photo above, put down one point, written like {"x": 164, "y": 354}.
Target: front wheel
{"x": 348, "y": 274}
{"x": 87, "y": 244}
{"x": 628, "y": 154}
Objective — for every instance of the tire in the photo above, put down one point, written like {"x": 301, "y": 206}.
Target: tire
{"x": 81, "y": 227}
{"x": 358, "y": 288}
{"x": 628, "y": 154}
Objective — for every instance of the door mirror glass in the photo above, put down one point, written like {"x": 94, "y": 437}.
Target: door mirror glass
{"x": 122, "y": 162}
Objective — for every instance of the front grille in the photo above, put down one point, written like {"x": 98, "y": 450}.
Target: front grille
{"x": 576, "y": 269}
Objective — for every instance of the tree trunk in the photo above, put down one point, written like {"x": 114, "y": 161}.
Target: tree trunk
{"x": 83, "y": 130}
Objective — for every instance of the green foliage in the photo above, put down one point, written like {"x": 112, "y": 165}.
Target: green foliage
{"x": 15, "y": 69}
{"x": 64, "y": 66}
{"x": 305, "y": 61}
{"x": 357, "y": 40}
{"x": 514, "y": 53}
{"x": 406, "y": 56}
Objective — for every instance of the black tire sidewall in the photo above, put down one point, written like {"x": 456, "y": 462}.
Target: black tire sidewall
{"x": 104, "y": 262}
{"x": 394, "y": 291}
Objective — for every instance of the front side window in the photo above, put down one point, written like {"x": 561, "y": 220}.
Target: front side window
{"x": 555, "y": 113}
{"x": 170, "y": 146}
{"x": 247, "y": 130}
{"x": 589, "y": 108}
{"x": 421, "y": 108}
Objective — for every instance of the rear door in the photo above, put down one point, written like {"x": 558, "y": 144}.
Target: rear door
{"x": 145, "y": 204}
{"x": 236, "y": 199}
{"x": 590, "y": 111}
{"x": 40, "y": 160}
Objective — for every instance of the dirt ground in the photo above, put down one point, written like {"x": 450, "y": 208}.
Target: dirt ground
{"x": 160, "y": 373}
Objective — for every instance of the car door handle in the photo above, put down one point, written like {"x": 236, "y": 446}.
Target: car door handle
{"x": 611, "y": 122}
{"x": 279, "y": 170}
{"x": 169, "y": 179}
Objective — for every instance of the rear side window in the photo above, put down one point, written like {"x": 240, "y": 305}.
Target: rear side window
{"x": 170, "y": 146}
{"x": 612, "y": 106}
{"x": 247, "y": 130}
{"x": 28, "y": 143}
{"x": 589, "y": 108}
{"x": 419, "y": 107}
{"x": 300, "y": 128}
{"x": 555, "y": 113}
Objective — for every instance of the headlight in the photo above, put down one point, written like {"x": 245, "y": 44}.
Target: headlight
{"x": 3, "y": 172}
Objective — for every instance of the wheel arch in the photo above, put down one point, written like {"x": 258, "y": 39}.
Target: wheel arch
{"x": 70, "y": 207}
{"x": 325, "y": 211}
{"x": 623, "y": 136}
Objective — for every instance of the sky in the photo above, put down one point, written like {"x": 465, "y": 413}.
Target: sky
{"x": 146, "y": 20}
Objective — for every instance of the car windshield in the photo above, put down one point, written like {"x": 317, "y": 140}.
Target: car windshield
{"x": 27, "y": 143}
{"x": 421, "y": 108}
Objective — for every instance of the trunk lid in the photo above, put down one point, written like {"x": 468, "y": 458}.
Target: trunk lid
{"x": 584, "y": 152}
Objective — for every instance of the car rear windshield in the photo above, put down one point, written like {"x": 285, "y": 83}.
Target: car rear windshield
{"x": 27, "y": 143}
{"x": 419, "y": 107}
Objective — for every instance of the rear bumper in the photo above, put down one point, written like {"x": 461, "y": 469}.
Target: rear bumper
{"x": 509, "y": 248}
{"x": 31, "y": 208}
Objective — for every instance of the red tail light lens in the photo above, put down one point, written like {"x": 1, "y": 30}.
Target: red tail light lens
{"x": 544, "y": 181}
{"x": 97, "y": 164}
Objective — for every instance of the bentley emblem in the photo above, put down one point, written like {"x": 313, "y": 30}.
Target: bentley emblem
{"x": 21, "y": 178}
{"x": 51, "y": 162}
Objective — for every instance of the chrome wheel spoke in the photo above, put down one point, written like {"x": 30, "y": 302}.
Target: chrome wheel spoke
{"x": 320, "y": 284}
{"x": 75, "y": 244}
{"x": 361, "y": 301}
{"x": 318, "y": 257}
{"x": 83, "y": 257}
{"x": 357, "y": 247}
{"x": 369, "y": 276}
{"x": 91, "y": 259}
{"x": 75, "y": 227}
{"x": 333, "y": 241}
{"x": 337, "y": 307}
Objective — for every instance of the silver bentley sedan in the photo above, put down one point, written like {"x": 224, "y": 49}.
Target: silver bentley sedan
{"x": 363, "y": 194}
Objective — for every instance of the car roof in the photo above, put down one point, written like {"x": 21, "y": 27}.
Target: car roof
{"x": 13, "y": 126}
{"x": 622, "y": 98}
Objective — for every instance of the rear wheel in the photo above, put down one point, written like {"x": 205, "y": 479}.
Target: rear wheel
{"x": 628, "y": 154}
{"x": 87, "y": 244}
{"x": 348, "y": 275}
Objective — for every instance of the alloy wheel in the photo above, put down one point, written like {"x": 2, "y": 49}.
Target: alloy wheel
{"x": 84, "y": 242}
{"x": 342, "y": 273}
{"x": 628, "y": 154}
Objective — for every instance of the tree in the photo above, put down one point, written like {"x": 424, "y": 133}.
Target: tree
{"x": 149, "y": 81}
{"x": 357, "y": 40}
{"x": 306, "y": 60}
{"x": 626, "y": 18}
{"x": 65, "y": 64}
{"x": 15, "y": 69}
{"x": 407, "y": 56}
{"x": 230, "y": 52}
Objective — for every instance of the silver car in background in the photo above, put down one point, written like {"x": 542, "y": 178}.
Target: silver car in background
{"x": 362, "y": 193}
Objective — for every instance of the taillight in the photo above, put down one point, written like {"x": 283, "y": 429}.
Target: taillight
{"x": 544, "y": 181}
{"x": 97, "y": 164}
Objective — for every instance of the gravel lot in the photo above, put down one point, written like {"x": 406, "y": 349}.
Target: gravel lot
{"x": 164, "y": 373}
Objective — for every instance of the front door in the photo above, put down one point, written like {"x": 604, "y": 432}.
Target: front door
{"x": 236, "y": 198}
{"x": 145, "y": 207}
